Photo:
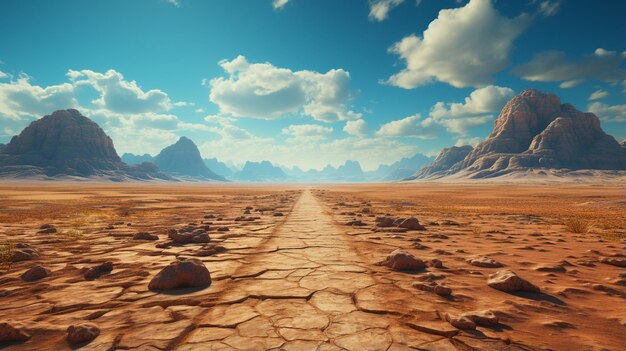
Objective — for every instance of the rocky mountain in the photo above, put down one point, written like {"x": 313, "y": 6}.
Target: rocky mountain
{"x": 263, "y": 171}
{"x": 133, "y": 159}
{"x": 218, "y": 167}
{"x": 66, "y": 143}
{"x": 534, "y": 130}
{"x": 183, "y": 159}
{"x": 402, "y": 168}
{"x": 447, "y": 158}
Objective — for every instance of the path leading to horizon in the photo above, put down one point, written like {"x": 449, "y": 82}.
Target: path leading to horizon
{"x": 308, "y": 289}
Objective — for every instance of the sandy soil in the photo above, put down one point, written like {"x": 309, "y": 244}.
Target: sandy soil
{"x": 298, "y": 278}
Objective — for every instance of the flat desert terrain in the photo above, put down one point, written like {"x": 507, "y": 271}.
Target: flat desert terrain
{"x": 425, "y": 266}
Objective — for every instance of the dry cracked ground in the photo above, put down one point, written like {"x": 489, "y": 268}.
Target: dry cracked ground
{"x": 344, "y": 267}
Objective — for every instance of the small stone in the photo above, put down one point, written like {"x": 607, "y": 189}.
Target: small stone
{"x": 482, "y": 261}
{"x": 507, "y": 281}
{"x": 47, "y": 229}
{"x": 35, "y": 273}
{"x": 400, "y": 260}
{"x": 411, "y": 224}
{"x": 83, "y": 333}
{"x": 615, "y": 261}
{"x": 145, "y": 236}
{"x": 23, "y": 254}
{"x": 9, "y": 333}
{"x": 435, "y": 263}
{"x": 461, "y": 322}
{"x": 98, "y": 271}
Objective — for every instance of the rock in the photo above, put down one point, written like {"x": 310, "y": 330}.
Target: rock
{"x": 82, "y": 333}
{"x": 447, "y": 158}
{"x": 435, "y": 263}
{"x": 278, "y": 214}
{"x": 145, "y": 236}
{"x": 411, "y": 224}
{"x": 35, "y": 273}
{"x": 384, "y": 222}
{"x": 400, "y": 260}
{"x": 23, "y": 253}
{"x": 484, "y": 318}
{"x": 98, "y": 271}
{"x": 506, "y": 280}
{"x": 181, "y": 274}
{"x": 47, "y": 229}
{"x": 461, "y": 322}
{"x": 222, "y": 229}
{"x": 615, "y": 261}
{"x": 356, "y": 223}
{"x": 9, "y": 333}
{"x": 210, "y": 250}
{"x": 482, "y": 261}
{"x": 432, "y": 286}
{"x": 188, "y": 236}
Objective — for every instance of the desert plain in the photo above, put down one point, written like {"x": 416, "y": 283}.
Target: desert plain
{"x": 314, "y": 267}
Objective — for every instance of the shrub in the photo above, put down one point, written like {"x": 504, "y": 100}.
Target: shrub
{"x": 6, "y": 253}
{"x": 577, "y": 225}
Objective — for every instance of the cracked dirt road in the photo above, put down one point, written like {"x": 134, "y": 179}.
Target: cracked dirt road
{"x": 308, "y": 289}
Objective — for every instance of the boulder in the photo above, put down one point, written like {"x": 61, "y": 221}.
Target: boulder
{"x": 400, "y": 260}
{"x": 98, "y": 271}
{"x": 181, "y": 274}
{"x": 35, "y": 273}
{"x": 10, "y": 333}
{"x": 506, "y": 280}
{"x": 82, "y": 333}
{"x": 411, "y": 224}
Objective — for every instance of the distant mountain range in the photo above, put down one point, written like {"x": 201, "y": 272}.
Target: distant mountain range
{"x": 534, "y": 134}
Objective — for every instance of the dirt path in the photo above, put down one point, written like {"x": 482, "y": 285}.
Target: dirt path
{"x": 307, "y": 289}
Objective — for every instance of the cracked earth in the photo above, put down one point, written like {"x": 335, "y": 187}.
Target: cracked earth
{"x": 290, "y": 275}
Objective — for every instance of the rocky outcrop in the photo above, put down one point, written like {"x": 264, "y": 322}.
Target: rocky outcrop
{"x": 260, "y": 171}
{"x": 183, "y": 159}
{"x": 66, "y": 143}
{"x": 447, "y": 158}
{"x": 534, "y": 130}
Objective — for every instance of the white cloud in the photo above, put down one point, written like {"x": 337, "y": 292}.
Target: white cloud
{"x": 174, "y": 2}
{"x": 483, "y": 100}
{"x": 278, "y": 4}
{"x": 462, "y": 47}
{"x": 22, "y": 98}
{"x": 307, "y": 130}
{"x": 549, "y": 8}
{"x": 598, "y": 94}
{"x": 119, "y": 95}
{"x": 356, "y": 128}
{"x": 555, "y": 66}
{"x": 468, "y": 141}
{"x": 412, "y": 126}
{"x": 261, "y": 90}
{"x": 3, "y": 75}
{"x": 608, "y": 113}
{"x": 379, "y": 9}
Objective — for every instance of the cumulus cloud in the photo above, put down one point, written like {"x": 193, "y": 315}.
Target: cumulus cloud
{"x": 468, "y": 141}
{"x": 379, "y": 9}
{"x": 356, "y": 128}
{"x": 555, "y": 66}
{"x": 462, "y": 47}
{"x": 3, "y": 75}
{"x": 598, "y": 94}
{"x": 120, "y": 95}
{"x": 457, "y": 117}
{"x": 22, "y": 98}
{"x": 608, "y": 113}
{"x": 307, "y": 130}
{"x": 278, "y": 4}
{"x": 262, "y": 90}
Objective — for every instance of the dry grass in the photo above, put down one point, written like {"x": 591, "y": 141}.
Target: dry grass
{"x": 6, "y": 252}
{"x": 613, "y": 236}
{"x": 577, "y": 225}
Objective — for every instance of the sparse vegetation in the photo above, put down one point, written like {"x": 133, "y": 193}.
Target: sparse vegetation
{"x": 577, "y": 225}
{"x": 476, "y": 230}
{"x": 6, "y": 252}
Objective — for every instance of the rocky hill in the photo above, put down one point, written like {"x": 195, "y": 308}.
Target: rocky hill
{"x": 447, "y": 158}
{"x": 66, "y": 143}
{"x": 263, "y": 171}
{"x": 534, "y": 130}
{"x": 183, "y": 159}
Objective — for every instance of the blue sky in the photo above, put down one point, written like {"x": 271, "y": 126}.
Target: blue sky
{"x": 306, "y": 82}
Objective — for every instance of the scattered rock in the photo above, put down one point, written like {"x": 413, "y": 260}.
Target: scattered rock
{"x": 35, "y": 273}
{"x": 432, "y": 286}
{"x": 506, "y": 280}
{"x": 188, "y": 236}
{"x": 9, "y": 333}
{"x": 615, "y": 261}
{"x": 181, "y": 274}
{"x": 400, "y": 260}
{"x": 384, "y": 222}
{"x": 210, "y": 250}
{"x": 47, "y": 229}
{"x": 411, "y": 224}
{"x": 82, "y": 333}
{"x": 98, "y": 271}
{"x": 482, "y": 261}
{"x": 145, "y": 236}
{"x": 23, "y": 252}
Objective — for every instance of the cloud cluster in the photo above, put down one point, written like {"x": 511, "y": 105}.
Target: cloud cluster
{"x": 457, "y": 118}
{"x": 262, "y": 90}
{"x": 608, "y": 113}
{"x": 306, "y": 132}
{"x": 598, "y": 94}
{"x": 379, "y": 9}
{"x": 356, "y": 128}
{"x": 554, "y": 66}
{"x": 278, "y": 4}
{"x": 462, "y": 47}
